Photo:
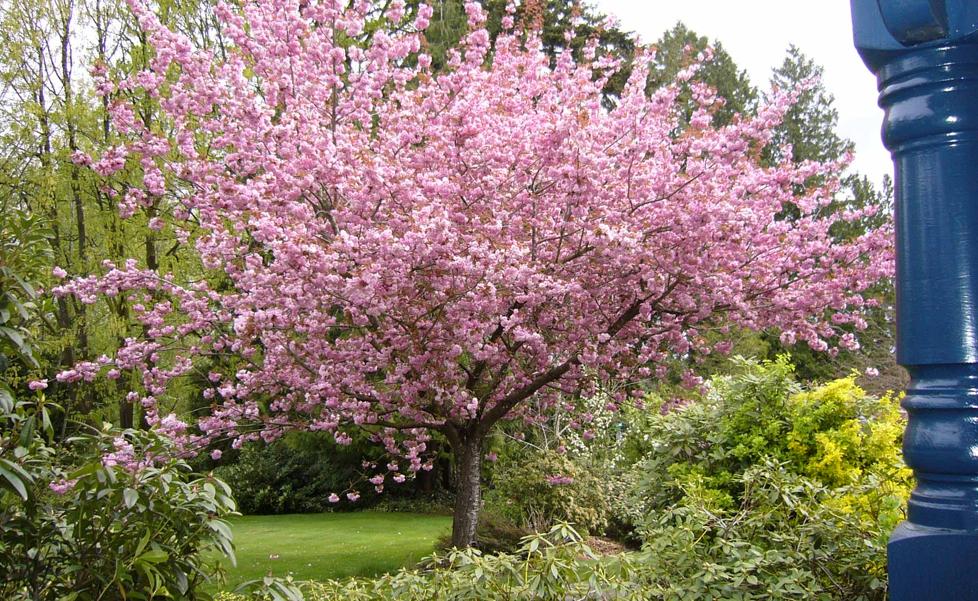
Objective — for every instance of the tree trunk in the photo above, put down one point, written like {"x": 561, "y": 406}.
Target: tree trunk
{"x": 468, "y": 501}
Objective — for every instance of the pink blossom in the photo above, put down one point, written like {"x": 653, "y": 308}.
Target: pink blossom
{"x": 62, "y": 486}
{"x": 58, "y": 272}
{"x": 334, "y": 498}
{"x": 353, "y": 496}
{"x": 559, "y": 480}
{"x": 37, "y": 384}
{"x": 81, "y": 159}
{"x": 216, "y": 454}
{"x": 124, "y": 457}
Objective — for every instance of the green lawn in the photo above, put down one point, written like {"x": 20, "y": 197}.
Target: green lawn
{"x": 331, "y": 545}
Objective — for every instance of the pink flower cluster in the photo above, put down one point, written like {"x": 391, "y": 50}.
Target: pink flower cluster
{"x": 559, "y": 480}
{"x": 124, "y": 456}
{"x": 62, "y": 486}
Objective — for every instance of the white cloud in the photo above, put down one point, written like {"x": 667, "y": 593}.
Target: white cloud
{"x": 756, "y": 33}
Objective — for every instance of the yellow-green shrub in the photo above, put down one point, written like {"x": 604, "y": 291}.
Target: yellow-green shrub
{"x": 843, "y": 438}
{"x": 764, "y": 475}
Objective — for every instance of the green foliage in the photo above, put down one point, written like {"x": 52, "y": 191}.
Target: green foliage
{"x": 297, "y": 473}
{"x": 75, "y": 527}
{"x": 809, "y": 126}
{"x": 439, "y": 503}
{"x": 833, "y": 434}
{"x": 494, "y": 534}
{"x": 770, "y": 491}
{"x": 783, "y": 539}
{"x": 552, "y": 17}
{"x": 50, "y": 117}
{"x": 542, "y": 488}
{"x": 553, "y": 566}
{"x": 24, "y": 257}
{"x": 679, "y": 47}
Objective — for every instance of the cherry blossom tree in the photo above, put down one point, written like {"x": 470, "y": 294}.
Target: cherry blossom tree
{"x": 414, "y": 253}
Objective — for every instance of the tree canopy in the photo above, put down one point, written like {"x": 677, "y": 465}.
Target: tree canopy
{"x": 403, "y": 250}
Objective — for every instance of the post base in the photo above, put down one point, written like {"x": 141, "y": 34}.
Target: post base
{"x": 932, "y": 564}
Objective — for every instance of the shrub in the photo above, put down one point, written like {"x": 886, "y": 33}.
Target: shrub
{"x": 85, "y": 522}
{"x": 771, "y": 489}
{"x": 834, "y": 434}
{"x": 555, "y": 566}
{"x": 494, "y": 534}
{"x": 296, "y": 474}
{"x": 544, "y": 488}
{"x": 436, "y": 503}
{"x": 782, "y": 541}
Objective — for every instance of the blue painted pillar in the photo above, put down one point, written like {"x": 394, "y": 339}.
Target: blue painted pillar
{"x": 925, "y": 56}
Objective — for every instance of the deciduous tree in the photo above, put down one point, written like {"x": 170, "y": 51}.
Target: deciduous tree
{"x": 417, "y": 253}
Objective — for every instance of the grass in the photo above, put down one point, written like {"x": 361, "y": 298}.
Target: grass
{"x": 331, "y": 545}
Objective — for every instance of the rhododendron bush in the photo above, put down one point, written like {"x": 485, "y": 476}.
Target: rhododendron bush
{"x": 411, "y": 252}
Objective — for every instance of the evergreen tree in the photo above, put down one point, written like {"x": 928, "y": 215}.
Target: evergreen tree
{"x": 810, "y": 129}
{"x": 554, "y": 18}
{"x": 810, "y": 125}
{"x": 679, "y": 47}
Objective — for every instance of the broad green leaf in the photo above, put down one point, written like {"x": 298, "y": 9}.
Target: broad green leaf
{"x": 13, "y": 335}
{"x": 14, "y": 480}
{"x": 154, "y": 556}
{"x": 6, "y": 399}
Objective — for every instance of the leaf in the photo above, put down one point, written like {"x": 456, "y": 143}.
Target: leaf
{"x": 183, "y": 585}
{"x": 46, "y": 424}
{"x": 154, "y": 556}
{"x": 6, "y": 400}
{"x": 13, "y": 335}
{"x": 220, "y": 526}
{"x": 129, "y": 497}
{"x": 25, "y": 285}
{"x": 12, "y": 478}
{"x": 85, "y": 470}
{"x": 142, "y": 543}
{"x": 27, "y": 433}
{"x": 21, "y": 309}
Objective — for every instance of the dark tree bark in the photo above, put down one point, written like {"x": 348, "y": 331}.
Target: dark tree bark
{"x": 468, "y": 491}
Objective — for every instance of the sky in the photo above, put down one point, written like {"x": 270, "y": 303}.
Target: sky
{"x": 756, "y": 34}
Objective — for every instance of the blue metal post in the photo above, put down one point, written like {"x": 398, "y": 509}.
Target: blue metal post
{"x": 925, "y": 56}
